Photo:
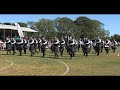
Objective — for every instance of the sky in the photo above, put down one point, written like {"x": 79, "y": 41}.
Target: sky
{"x": 111, "y": 21}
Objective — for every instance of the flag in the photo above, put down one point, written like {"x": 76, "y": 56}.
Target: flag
{"x": 19, "y": 30}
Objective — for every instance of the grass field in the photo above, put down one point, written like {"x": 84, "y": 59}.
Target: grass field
{"x": 93, "y": 65}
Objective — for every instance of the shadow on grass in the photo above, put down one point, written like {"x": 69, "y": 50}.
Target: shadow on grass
{"x": 6, "y": 54}
{"x": 40, "y": 56}
{"x": 24, "y": 55}
{"x": 49, "y": 57}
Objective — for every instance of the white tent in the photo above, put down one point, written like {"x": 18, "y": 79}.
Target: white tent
{"x": 2, "y": 26}
{"x": 14, "y": 28}
{"x": 28, "y": 29}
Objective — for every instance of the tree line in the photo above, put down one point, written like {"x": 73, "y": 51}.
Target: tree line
{"x": 61, "y": 27}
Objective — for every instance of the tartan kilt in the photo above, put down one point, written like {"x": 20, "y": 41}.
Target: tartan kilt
{"x": 55, "y": 48}
{"x": 113, "y": 47}
{"x": 25, "y": 46}
{"x": 61, "y": 48}
{"x": 43, "y": 48}
{"x": 8, "y": 47}
{"x": 71, "y": 49}
{"x": 13, "y": 47}
{"x": 31, "y": 47}
{"x": 20, "y": 47}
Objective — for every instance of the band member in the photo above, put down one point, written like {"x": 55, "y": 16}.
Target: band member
{"x": 102, "y": 45}
{"x": 39, "y": 44}
{"x": 31, "y": 48}
{"x": 8, "y": 45}
{"x": 107, "y": 46}
{"x": 13, "y": 43}
{"x": 35, "y": 45}
{"x": 71, "y": 47}
{"x": 62, "y": 46}
{"x": 43, "y": 47}
{"x": 55, "y": 47}
{"x": 20, "y": 45}
{"x": 52, "y": 46}
{"x": 24, "y": 45}
{"x": 98, "y": 45}
{"x": 113, "y": 45}
{"x": 86, "y": 46}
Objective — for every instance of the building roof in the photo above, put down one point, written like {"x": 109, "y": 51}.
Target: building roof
{"x": 26, "y": 29}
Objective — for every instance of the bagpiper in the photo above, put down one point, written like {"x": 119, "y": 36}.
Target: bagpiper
{"x": 55, "y": 47}
{"x": 43, "y": 46}
{"x": 20, "y": 45}
{"x": 107, "y": 46}
{"x": 31, "y": 48}
{"x": 8, "y": 45}
{"x": 13, "y": 43}
{"x": 86, "y": 46}
{"x": 39, "y": 44}
{"x": 98, "y": 45}
{"x": 62, "y": 46}
{"x": 25, "y": 44}
{"x": 36, "y": 45}
{"x": 71, "y": 47}
{"x": 113, "y": 45}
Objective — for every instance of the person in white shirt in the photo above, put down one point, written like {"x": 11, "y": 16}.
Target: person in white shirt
{"x": 24, "y": 44}
{"x": 98, "y": 45}
{"x": 56, "y": 47}
{"x": 13, "y": 43}
{"x": 20, "y": 45}
{"x": 31, "y": 48}
{"x": 43, "y": 46}
{"x": 8, "y": 45}
{"x": 39, "y": 44}
{"x": 86, "y": 47}
{"x": 107, "y": 46}
{"x": 62, "y": 46}
{"x": 113, "y": 45}
{"x": 71, "y": 47}
{"x": 35, "y": 45}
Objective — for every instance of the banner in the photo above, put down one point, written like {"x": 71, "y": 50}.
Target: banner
{"x": 19, "y": 30}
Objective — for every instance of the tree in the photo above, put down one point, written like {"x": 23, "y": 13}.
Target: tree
{"x": 46, "y": 28}
{"x": 22, "y": 24}
{"x": 60, "y": 27}
{"x": 81, "y": 24}
{"x": 32, "y": 25}
{"x": 65, "y": 26}
{"x": 90, "y": 28}
{"x": 116, "y": 37}
{"x": 7, "y": 23}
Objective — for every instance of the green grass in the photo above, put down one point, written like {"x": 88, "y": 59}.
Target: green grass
{"x": 93, "y": 65}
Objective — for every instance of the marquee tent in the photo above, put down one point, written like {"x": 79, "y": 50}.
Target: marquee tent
{"x": 10, "y": 29}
